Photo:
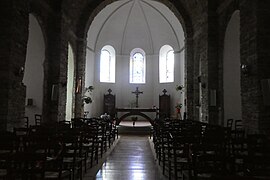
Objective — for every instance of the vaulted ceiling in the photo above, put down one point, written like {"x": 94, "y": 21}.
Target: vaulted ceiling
{"x": 128, "y": 24}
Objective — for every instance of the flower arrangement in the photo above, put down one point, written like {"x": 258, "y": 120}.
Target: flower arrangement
{"x": 87, "y": 95}
{"x": 178, "y": 105}
{"x": 179, "y": 88}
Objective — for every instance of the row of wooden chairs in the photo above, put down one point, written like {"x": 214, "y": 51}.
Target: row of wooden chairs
{"x": 238, "y": 125}
{"x": 32, "y": 157}
{"x": 202, "y": 151}
{"x": 38, "y": 120}
{"x": 65, "y": 147}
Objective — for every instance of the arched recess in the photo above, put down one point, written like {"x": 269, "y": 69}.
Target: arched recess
{"x": 90, "y": 11}
{"x": 231, "y": 69}
{"x": 166, "y": 64}
{"x": 70, "y": 84}
{"x": 107, "y": 64}
{"x": 34, "y": 70}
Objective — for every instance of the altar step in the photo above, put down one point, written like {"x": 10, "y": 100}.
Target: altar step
{"x": 140, "y": 130}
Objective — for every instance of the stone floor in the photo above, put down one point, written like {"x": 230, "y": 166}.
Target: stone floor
{"x": 131, "y": 159}
{"x": 138, "y": 123}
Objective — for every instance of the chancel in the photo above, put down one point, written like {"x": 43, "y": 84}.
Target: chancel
{"x": 145, "y": 51}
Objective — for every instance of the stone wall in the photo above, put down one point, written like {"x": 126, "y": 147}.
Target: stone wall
{"x": 262, "y": 48}
{"x": 225, "y": 12}
{"x": 248, "y": 51}
{"x": 13, "y": 45}
{"x": 213, "y": 70}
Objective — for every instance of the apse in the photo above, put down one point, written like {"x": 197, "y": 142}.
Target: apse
{"x": 128, "y": 26}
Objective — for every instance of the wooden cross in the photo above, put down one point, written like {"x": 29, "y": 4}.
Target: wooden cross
{"x": 137, "y": 92}
{"x": 164, "y": 91}
{"x": 110, "y": 91}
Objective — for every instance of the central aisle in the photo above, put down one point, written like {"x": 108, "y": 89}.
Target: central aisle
{"x": 131, "y": 159}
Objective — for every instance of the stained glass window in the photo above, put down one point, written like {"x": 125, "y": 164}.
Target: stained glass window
{"x": 137, "y": 67}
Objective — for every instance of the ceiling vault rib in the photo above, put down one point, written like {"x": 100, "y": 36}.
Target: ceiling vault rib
{"x": 165, "y": 20}
{"x": 106, "y": 20}
{"x": 148, "y": 27}
{"x": 125, "y": 28}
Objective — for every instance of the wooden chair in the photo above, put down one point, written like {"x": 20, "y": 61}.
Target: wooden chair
{"x": 165, "y": 149}
{"x": 239, "y": 153}
{"x": 238, "y": 124}
{"x": 179, "y": 159}
{"x": 102, "y": 140}
{"x": 229, "y": 123}
{"x": 157, "y": 139}
{"x": 63, "y": 126}
{"x": 38, "y": 119}
{"x": 89, "y": 144}
{"x": 26, "y": 122}
{"x": 185, "y": 141}
{"x": 72, "y": 159}
{"x": 41, "y": 159}
{"x": 258, "y": 161}
{"x": 209, "y": 157}
{"x": 9, "y": 144}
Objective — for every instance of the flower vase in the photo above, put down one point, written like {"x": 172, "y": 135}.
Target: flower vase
{"x": 178, "y": 113}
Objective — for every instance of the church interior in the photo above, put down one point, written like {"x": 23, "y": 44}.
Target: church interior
{"x": 194, "y": 71}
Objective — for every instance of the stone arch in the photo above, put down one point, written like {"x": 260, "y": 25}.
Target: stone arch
{"x": 36, "y": 9}
{"x": 34, "y": 69}
{"x": 224, "y": 17}
{"x": 231, "y": 69}
{"x": 93, "y": 8}
{"x": 35, "y": 12}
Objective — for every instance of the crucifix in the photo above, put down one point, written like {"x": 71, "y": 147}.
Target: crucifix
{"x": 137, "y": 92}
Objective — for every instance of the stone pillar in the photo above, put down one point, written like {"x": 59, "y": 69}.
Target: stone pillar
{"x": 213, "y": 70}
{"x": 263, "y": 62}
{"x": 14, "y": 35}
{"x": 80, "y": 77}
{"x": 250, "y": 83}
{"x": 56, "y": 69}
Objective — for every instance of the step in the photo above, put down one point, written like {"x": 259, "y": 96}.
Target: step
{"x": 134, "y": 130}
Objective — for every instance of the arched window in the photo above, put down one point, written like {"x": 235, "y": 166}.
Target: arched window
{"x": 166, "y": 64}
{"x": 137, "y": 66}
{"x": 107, "y": 64}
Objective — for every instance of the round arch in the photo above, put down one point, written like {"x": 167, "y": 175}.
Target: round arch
{"x": 225, "y": 17}
{"x": 91, "y": 9}
{"x": 34, "y": 69}
{"x": 231, "y": 69}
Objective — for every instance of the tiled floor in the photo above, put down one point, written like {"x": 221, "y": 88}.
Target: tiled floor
{"x": 131, "y": 159}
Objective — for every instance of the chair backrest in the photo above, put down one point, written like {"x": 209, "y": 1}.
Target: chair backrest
{"x": 26, "y": 122}
{"x": 8, "y": 142}
{"x": 259, "y": 155}
{"x": 38, "y": 119}
{"x": 238, "y": 124}
{"x": 63, "y": 125}
{"x": 229, "y": 123}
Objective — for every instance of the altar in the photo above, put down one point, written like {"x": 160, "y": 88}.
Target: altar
{"x": 134, "y": 112}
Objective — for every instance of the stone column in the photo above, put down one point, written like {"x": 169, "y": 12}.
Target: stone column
{"x": 14, "y": 35}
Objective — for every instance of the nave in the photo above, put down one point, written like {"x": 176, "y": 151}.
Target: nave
{"x": 131, "y": 159}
